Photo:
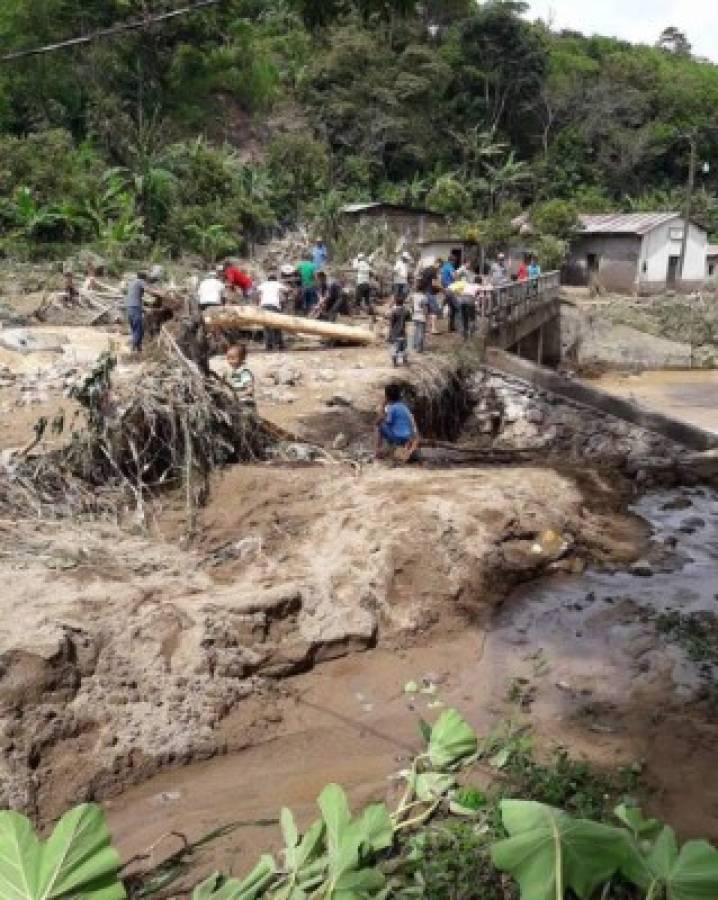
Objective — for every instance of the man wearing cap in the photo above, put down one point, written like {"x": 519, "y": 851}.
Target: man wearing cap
{"x": 134, "y": 304}
{"x": 401, "y": 277}
{"x": 364, "y": 273}
{"x": 499, "y": 273}
{"x": 320, "y": 254}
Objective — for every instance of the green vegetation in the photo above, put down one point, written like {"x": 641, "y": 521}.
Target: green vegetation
{"x": 205, "y": 132}
{"x": 446, "y": 839}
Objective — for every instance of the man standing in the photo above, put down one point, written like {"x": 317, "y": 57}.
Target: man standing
{"x": 447, "y": 276}
{"x": 211, "y": 290}
{"x": 236, "y": 280}
{"x": 534, "y": 269}
{"x": 271, "y": 298}
{"x": 134, "y": 303}
{"x": 401, "y": 277}
{"x": 320, "y": 254}
{"x": 308, "y": 275}
{"x": 364, "y": 273}
{"x": 499, "y": 273}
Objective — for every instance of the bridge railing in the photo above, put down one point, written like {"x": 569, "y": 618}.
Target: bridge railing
{"x": 511, "y": 302}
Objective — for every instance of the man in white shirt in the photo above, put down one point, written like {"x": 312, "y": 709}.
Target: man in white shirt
{"x": 211, "y": 291}
{"x": 401, "y": 277}
{"x": 272, "y": 293}
{"x": 364, "y": 274}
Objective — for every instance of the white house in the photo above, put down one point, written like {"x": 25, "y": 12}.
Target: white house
{"x": 637, "y": 253}
{"x": 446, "y": 247}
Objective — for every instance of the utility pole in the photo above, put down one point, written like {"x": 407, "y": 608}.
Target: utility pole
{"x": 689, "y": 201}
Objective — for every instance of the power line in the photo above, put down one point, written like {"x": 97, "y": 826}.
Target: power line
{"x": 110, "y": 32}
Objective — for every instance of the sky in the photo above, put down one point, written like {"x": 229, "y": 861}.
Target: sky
{"x": 640, "y": 21}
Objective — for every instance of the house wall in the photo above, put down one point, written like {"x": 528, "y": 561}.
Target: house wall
{"x": 618, "y": 261}
{"x": 413, "y": 225}
{"x": 662, "y": 243}
{"x": 440, "y": 249}
{"x": 712, "y": 268}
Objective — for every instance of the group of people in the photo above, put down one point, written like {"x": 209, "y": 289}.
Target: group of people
{"x": 449, "y": 286}
{"x": 422, "y": 295}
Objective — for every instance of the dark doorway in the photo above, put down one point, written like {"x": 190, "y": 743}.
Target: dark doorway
{"x": 593, "y": 262}
{"x": 672, "y": 276}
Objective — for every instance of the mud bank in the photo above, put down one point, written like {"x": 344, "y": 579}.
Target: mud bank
{"x": 121, "y": 655}
{"x": 581, "y": 658}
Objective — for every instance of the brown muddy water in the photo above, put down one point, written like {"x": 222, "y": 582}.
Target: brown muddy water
{"x": 688, "y": 395}
{"x": 600, "y": 677}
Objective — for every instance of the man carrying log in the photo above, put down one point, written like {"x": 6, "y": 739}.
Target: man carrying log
{"x": 272, "y": 294}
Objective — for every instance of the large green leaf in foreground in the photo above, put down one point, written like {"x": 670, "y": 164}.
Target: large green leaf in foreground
{"x": 76, "y": 862}
{"x": 691, "y": 874}
{"x": 549, "y": 852}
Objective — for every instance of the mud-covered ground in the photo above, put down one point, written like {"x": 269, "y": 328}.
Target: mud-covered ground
{"x": 226, "y": 676}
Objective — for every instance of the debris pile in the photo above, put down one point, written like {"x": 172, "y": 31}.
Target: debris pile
{"x": 171, "y": 428}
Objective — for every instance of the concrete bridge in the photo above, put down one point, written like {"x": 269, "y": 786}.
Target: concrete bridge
{"x": 524, "y": 317}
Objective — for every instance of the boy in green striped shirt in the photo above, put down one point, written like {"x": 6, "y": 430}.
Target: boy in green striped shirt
{"x": 240, "y": 375}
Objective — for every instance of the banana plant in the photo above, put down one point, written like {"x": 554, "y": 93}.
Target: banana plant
{"x": 76, "y": 861}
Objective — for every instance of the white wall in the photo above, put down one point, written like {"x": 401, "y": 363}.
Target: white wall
{"x": 665, "y": 241}
{"x": 438, "y": 249}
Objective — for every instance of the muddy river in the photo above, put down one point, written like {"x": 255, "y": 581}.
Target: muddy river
{"x": 688, "y": 395}
{"x": 599, "y": 675}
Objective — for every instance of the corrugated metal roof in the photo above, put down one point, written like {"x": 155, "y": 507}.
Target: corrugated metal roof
{"x": 352, "y": 208}
{"x": 625, "y": 223}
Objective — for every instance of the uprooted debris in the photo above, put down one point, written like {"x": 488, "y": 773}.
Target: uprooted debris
{"x": 172, "y": 427}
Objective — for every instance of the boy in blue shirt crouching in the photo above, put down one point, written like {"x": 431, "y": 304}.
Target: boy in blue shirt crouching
{"x": 396, "y": 428}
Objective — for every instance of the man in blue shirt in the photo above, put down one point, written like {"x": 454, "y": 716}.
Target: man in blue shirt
{"x": 396, "y": 428}
{"x": 320, "y": 254}
{"x": 447, "y": 276}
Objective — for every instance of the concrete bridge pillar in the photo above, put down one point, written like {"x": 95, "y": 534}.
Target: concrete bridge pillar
{"x": 551, "y": 342}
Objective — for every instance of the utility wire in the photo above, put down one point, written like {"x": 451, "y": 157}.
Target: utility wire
{"x": 110, "y": 32}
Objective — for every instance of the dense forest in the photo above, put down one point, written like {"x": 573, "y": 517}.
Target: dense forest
{"x": 205, "y": 131}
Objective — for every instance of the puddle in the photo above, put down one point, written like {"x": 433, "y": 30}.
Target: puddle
{"x": 688, "y": 395}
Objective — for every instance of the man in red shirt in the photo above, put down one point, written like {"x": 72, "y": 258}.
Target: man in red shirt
{"x": 237, "y": 280}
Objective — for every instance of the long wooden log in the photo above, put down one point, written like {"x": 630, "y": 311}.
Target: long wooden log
{"x": 259, "y": 318}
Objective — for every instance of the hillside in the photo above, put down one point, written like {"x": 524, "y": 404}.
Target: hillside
{"x": 206, "y": 131}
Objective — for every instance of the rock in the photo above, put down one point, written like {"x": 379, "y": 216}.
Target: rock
{"x": 339, "y": 400}
{"x": 286, "y": 376}
{"x": 248, "y": 548}
{"x": 642, "y": 569}
{"x": 677, "y": 503}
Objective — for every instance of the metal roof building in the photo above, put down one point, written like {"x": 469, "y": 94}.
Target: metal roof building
{"x": 637, "y": 253}
{"x": 625, "y": 223}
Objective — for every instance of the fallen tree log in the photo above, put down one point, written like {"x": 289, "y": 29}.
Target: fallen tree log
{"x": 260, "y": 318}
